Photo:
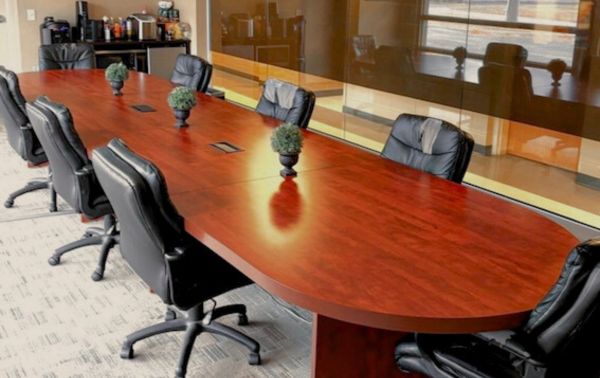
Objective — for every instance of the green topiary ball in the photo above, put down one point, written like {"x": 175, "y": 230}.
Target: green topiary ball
{"x": 182, "y": 98}
{"x": 116, "y": 72}
{"x": 287, "y": 139}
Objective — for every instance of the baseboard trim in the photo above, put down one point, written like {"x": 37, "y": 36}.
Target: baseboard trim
{"x": 587, "y": 180}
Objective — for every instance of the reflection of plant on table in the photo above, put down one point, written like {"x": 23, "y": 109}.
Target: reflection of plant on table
{"x": 287, "y": 141}
{"x": 182, "y": 99}
{"x": 116, "y": 73}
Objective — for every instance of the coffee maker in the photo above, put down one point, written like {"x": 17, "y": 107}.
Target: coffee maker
{"x": 54, "y": 31}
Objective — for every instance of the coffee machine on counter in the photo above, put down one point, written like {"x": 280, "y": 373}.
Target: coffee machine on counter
{"x": 55, "y": 31}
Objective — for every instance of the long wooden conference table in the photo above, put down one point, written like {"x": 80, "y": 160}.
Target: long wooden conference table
{"x": 373, "y": 248}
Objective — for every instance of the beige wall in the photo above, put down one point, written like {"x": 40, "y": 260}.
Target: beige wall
{"x": 65, "y": 9}
{"x": 9, "y": 36}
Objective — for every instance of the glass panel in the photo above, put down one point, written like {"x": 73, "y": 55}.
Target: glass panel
{"x": 480, "y": 9}
{"x": 549, "y": 12}
{"x": 535, "y": 124}
{"x": 542, "y": 46}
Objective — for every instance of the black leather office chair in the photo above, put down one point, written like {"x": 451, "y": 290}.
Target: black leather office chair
{"x": 65, "y": 56}
{"x": 558, "y": 340}
{"x": 195, "y": 73}
{"x": 430, "y": 145}
{"x": 364, "y": 48}
{"x": 21, "y": 136}
{"x": 179, "y": 269}
{"x": 277, "y": 104}
{"x": 506, "y": 84}
{"x": 73, "y": 178}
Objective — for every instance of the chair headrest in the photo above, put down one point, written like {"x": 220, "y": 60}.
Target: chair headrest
{"x": 281, "y": 93}
{"x": 155, "y": 180}
{"x": 65, "y": 121}
{"x": 12, "y": 81}
{"x": 425, "y": 134}
{"x": 505, "y": 54}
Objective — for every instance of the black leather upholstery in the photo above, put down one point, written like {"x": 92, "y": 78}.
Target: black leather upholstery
{"x": 505, "y": 54}
{"x": 450, "y": 154}
{"x": 559, "y": 339}
{"x": 72, "y": 175}
{"x": 73, "y": 178}
{"x": 179, "y": 269}
{"x": 504, "y": 81}
{"x": 21, "y": 136}
{"x": 64, "y": 56}
{"x": 192, "y": 72}
{"x": 300, "y": 112}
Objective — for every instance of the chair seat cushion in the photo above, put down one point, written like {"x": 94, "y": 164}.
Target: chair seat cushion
{"x": 464, "y": 356}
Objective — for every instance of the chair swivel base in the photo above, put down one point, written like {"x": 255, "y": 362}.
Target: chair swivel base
{"x": 33, "y": 186}
{"x": 106, "y": 237}
{"x": 194, "y": 325}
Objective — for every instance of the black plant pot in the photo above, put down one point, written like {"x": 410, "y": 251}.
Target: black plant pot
{"x": 116, "y": 87}
{"x": 181, "y": 116}
{"x": 288, "y": 161}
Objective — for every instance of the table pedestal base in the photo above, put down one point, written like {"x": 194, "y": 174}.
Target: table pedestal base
{"x": 341, "y": 349}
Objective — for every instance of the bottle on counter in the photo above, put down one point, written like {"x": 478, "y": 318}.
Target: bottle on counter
{"x": 129, "y": 28}
{"x": 107, "y": 33}
{"x": 117, "y": 30}
{"x": 123, "y": 28}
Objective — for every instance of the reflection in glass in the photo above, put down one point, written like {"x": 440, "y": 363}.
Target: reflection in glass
{"x": 369, "y": 61}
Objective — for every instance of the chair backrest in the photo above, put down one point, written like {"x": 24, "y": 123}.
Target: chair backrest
{"x": 149, "y": 223}
{"x": 193, "y": 72}
{"x": 430, "y": 145}
{"x": 506, "y": 88}
{"x": 64, "y": 56}
{"x": 67, "y": 155}
{"x": 13, "y": 114}
{"x": 567, "y": 319}
{"x": 505, "y": 54}
{"x": 286, "y": 102}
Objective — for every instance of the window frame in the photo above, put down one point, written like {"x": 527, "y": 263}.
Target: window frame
{"x": 510, "y": 23}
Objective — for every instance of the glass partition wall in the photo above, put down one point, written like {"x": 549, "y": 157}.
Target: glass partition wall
{"x": 522, "y": 76}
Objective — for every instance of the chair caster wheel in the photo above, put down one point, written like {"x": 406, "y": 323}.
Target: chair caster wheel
{"x": 8, "y": 204}
{"x": 170, "y": 315}
{"x": 127, "y": 352}
{"x": 242, "y": 320}
{"x": 97, "y": 276}
{"x": 254, "y": 359}
{"x": 54, "y": 260}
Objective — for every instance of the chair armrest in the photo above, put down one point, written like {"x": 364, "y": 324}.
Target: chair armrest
{"x": 85, "y": 171}
{"x": 177, "y": 254}
{"x": 508, "y": 341}
{"x": 216, "y": 93}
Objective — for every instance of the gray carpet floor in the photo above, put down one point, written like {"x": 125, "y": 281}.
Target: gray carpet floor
{"x": 57, "y": 322}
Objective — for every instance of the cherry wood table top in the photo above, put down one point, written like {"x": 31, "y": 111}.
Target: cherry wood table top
{"x": 354, "y": 237}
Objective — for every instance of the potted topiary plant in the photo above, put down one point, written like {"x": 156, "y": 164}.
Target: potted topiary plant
{"x": 117, "y": 73}
{"x": 287, "y": 142}
{"x": 182, "y": 99}
{"x": 460, "y": 55}
{"x": 557, "y": 68}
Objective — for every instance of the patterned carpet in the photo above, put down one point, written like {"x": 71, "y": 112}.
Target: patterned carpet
{"x": 57, "y": 322}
